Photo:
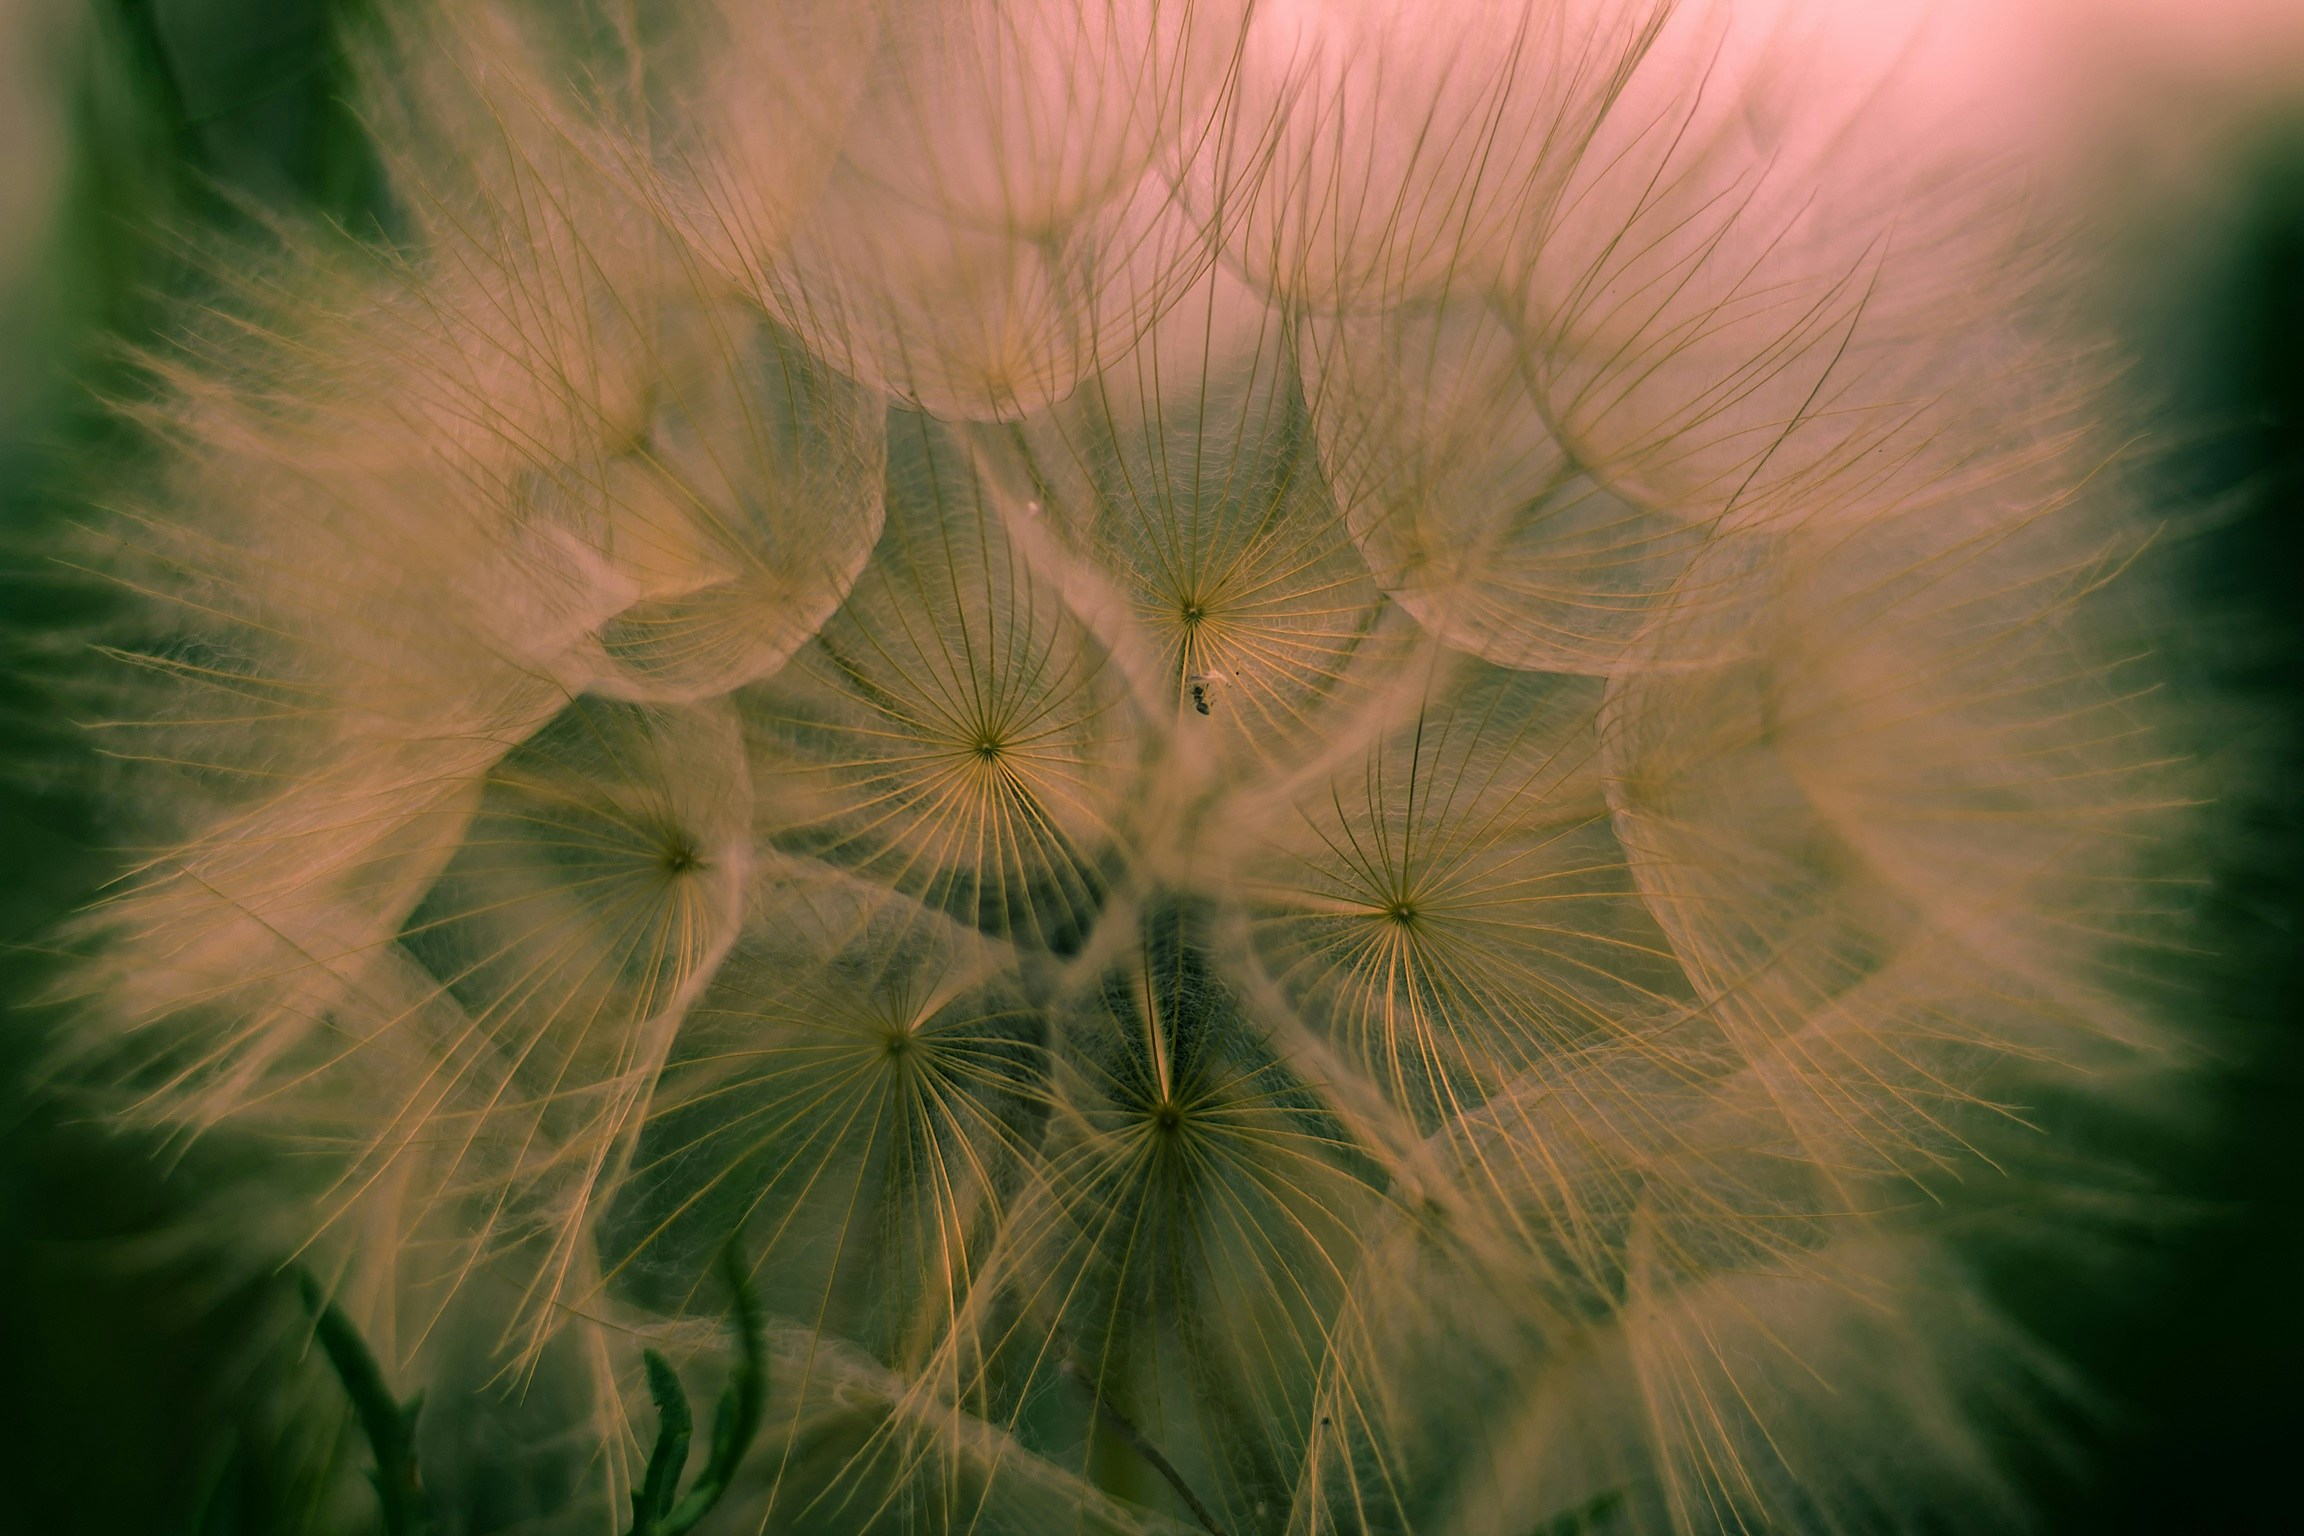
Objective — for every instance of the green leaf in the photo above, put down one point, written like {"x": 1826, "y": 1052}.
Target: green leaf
{"x": 1585, "y": 1519}
{"x": 737, "y": 1418}
{"x": 389, "y": 1424}
{"x": 653, "y": 1500}
{"x": 734, "y": 1422}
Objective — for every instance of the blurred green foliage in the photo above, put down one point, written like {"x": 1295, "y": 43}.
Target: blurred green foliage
{"x": 144, "y": 1387}
{"x": 2201, "y": 1352}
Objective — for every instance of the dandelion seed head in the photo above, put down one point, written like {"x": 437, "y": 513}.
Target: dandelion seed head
{"x": 1316, "y": 770}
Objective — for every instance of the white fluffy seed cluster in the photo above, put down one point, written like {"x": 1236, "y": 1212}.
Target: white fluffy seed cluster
{"x": 1353, "y": 755}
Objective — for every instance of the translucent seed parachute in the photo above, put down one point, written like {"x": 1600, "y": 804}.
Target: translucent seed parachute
{"x": 1330, "y": 767}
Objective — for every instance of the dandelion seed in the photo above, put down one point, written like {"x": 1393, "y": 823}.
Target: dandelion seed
{"x": 1189, "y": 496}
{"x": 954, "y": 729}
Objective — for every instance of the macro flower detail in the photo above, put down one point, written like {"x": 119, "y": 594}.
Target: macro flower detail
{"x": 1312, "y": 768}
